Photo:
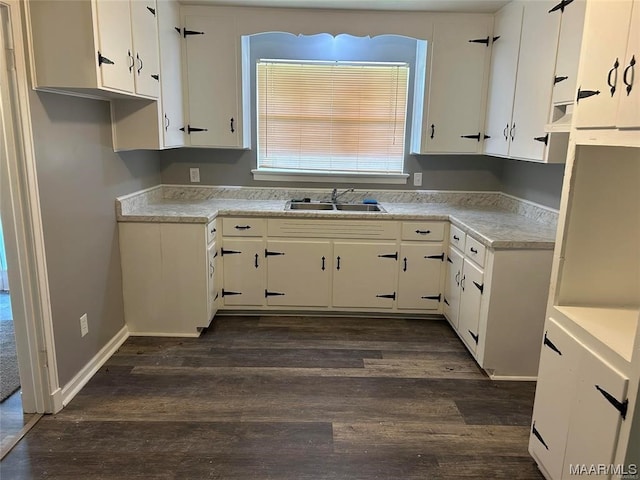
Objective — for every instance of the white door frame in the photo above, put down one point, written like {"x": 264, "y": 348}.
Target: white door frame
{"x": 21, "y": 217}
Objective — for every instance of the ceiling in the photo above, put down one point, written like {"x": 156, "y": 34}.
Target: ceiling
{"x": 466, "y": 6}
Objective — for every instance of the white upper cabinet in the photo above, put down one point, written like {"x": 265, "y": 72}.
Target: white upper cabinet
{"x": 519, "y": 102}
{"x": 502, "y": 86}
{"x": 603, "y": 63}
{"x": 458, "y": 59}
{"x": 213, "y": 73}
{"x": 97, "y": 49}
{"x": 148, "y": 124}
{"x": 629, "y": 102}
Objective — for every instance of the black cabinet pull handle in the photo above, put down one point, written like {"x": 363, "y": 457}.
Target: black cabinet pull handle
{"x": 231, "y": 127}
{"x": 473, "y": 250}
{"x": 512, "y": 132}
{"x": 423, "y": 232}
{"x": 140, "y": 62}
{"x": 551, "y": 345}
{"x": 536, "y": 434}
{"x": 337, "y": 263}
{"x": 133, "y": 61}
{"x": 167, "y": 122}
{"x": 622, "y": 407}
{"x": 457, "y": 278}
{"x": 242, "y": 227}
{"x": 464, "y": 277}
{"x": 544, "y": 139}
{"x": 614, "y": 70}
{"x": 323, "y": 263}
{"x": 586, "y": 94}
{"x": 505, "y": 132}
{"x": 404, "y": 267}
{"x": 433, "y": 130}
{"x": 256, "y": 260}
{"x": 630, "y": 68}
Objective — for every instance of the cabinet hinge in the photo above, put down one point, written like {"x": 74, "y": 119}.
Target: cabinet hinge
{"x": 439, "y": 257}
{"x": 479, "y": 287}
{"x": 536, "y": 434}
{"x": 389, "y": 255}
{"x": 432, "y": 297}
{"x": 449, "y": 259}
{"x": 226, "y": 293}
{"x": 586, "y": 94}
{"x": 224, "y": 252}
{"x": 152, "y": 10}
{"x": 104, "y": 60}
{"x": 550, "y": 344}
{"x": 445, "y": 300}
{"x": 485, "y": 136}
{"x": 481, "y": 40}
{"x": 156, "y": 77}
{"x": 190, "y": 129}
{"x": 496, "y": 38}
{"x": 544, "y": 139}
{"x": 474, "y": 137}
{"x": 561, "y": 6}
{"x": 622, "y": 407}
{"x": 267, "y": 293}
{"x": 473, "y": 335}
{"x": 186, "y": 32}
{"x": 559, "y": 79}
{"x": 387, "y": 295}
{"x": 267, "y": 253}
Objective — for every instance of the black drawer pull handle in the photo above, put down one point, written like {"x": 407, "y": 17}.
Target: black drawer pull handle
{"x": 242, "y": 227}
{"x": 456, "y": 238}
{"x": 473, "y": 250}
{"x": 622, "y": 407}
{"x": 423, "y": 232}
{"x": 550, "y": 344}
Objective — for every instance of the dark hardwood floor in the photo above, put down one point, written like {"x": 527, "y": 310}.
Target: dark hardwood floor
{"x": 288, "y": 398}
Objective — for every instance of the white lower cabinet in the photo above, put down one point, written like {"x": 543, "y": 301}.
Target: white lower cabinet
{"x": 244, "y": 273}
{"x": 581, "y": 402}
{"x": 472, "y": 288}
{"x": 420, "y": 276}
{"x": 167, "y": 279}
{"x": 298, "y": 272}
{"x": 451, "y": 300}
{"x": 365, "y": 274}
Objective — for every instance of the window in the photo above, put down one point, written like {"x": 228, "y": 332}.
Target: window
{"x": 331, "y": 117}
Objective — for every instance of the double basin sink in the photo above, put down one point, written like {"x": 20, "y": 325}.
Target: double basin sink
{"x": 345, "y": 207}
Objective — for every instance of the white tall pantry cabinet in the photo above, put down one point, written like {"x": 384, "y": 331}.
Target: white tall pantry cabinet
{"x": 586, "y": 407}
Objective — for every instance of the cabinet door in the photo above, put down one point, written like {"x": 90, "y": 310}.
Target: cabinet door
{"x": 144, "y": 28}
{"x": 212, "y": 279}
{"x": 571, "y": 26}
{"x": 298, "y": 273}
{"x": 455, "y": 106}
{"x": 534, "y": 85}
{"x": 244, "y": 279}
{"x": 606, "y": 31}
{"x": 595, "y": 421}
{"x": 213, "y": 81}
{"x": 364, "y": 274}
{"x": 629, "y": 101}
{"x": 419, "y": 278}
{"x": 452, "y": 289}
{"x": 555, "y": 396}
{"x": 502, "y": 83}
{"x": 472, "y": 286}
{"x": 169, "y": 38}
{"x": 113, "y": 18}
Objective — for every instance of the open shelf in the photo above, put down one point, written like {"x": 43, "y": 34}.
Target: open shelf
{"x": 614, "y": 327}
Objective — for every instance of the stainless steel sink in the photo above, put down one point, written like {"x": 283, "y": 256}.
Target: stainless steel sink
{"x": 360, "y": 207}
{"x": 308, "y": 206}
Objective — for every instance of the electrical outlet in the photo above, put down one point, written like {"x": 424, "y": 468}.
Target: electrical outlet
{"x": 84, "y": 325}
{"x": 417, "y": 179}
{"x": 194, "y": 175}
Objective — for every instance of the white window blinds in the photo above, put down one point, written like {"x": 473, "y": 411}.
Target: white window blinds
{"x": 331, "y": 117}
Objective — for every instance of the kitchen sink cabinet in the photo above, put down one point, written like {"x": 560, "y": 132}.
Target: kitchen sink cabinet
{"x": 168, "y": 278}
{"x": 111, "y": 50}
{"x": 299, "y": 272}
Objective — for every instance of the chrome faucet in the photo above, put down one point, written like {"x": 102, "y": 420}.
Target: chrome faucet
{"x": 335, "y": 195}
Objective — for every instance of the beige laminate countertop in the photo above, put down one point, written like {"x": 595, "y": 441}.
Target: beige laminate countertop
{"x": 494, "y": 227}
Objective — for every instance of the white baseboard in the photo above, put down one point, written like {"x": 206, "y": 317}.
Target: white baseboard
{"x": 80, "y": 380}
{"x": 514, "y": 378}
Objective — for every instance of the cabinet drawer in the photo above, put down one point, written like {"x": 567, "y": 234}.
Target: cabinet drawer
{"x": 457, "y": 237}
{"x": 475, "y": 251}
{"x": 429, "y": 231}
{"x": 211, "y": 231}
{"x": 243, "y": 227}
